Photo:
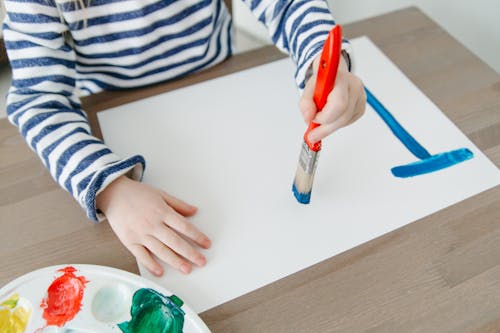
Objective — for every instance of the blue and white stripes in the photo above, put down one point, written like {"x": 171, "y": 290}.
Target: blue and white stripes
{"x": 117, "y": 45}
{"x": 296, "y": 27}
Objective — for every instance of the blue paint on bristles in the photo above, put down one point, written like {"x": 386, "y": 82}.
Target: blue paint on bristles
{"x": 303, "y": 198}
{"x": 428, "y": 163}
{"x": 304, "y": 177}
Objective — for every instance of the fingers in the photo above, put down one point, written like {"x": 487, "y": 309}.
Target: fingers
{"x": 146, "y": 259}
{"x": 360, "y": 108}
{"x": 186, "y": 228}
{"x": 165, "y": 240}
{"x": 319, "y": 133}
{"x": 166, "y": 254}
{"x": 179, "y": 245}
{"x": 182, "y": 225}
{"x": 337, "y": 103}
{"x": 178, "y": 205}
{"x": 345, "y": 104}
{"x": 170, "y": 247}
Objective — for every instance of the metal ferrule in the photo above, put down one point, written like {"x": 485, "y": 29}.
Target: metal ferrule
{"x": 308, "y": 159}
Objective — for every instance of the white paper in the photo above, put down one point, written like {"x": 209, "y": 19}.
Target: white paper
{"x": 231, "y": 146}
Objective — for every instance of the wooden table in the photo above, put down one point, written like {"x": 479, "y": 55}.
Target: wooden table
{"x": 3, "y": 53}
{"x": 439, "y": 274}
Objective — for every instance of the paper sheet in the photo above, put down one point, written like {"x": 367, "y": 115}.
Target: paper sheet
{"x": 231, "y": 146}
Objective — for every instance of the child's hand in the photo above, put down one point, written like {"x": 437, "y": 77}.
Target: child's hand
{"x": 148, "y": 221}
{"x": 345, "y": 104}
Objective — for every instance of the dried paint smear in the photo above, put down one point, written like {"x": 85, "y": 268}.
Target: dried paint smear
{"x": 64, "y": 297}
{"x": 15, "y": 313}
{"x": 154, "y": 312}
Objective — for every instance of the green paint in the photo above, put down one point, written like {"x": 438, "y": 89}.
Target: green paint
{"x": 154, "y": 312}
{"x": 11, "y": 302}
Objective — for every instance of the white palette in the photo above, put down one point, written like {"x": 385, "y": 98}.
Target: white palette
{"x": 231, "y": 146}
{"x": 106, "y": 302}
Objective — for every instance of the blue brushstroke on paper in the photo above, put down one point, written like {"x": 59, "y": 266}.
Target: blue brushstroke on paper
{"x": 433, "y": 163}
{"x": 428, "y": 163}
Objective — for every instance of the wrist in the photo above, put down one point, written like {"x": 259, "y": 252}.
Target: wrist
{"x": 104, "y": 198}
{"x": 313, "y": 68}
{"x": 347, "y": 55}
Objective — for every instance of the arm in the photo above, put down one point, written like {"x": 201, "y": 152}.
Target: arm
{"x": 42, "y": 102}
{"x": 300, "y": 28}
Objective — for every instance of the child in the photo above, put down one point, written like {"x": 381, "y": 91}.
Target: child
{"x": 60, "y": 50}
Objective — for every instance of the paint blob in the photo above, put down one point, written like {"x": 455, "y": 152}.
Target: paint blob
{"x": 64, "y": 298}
{"x": 154, "y": 312}
{"x": 15, "y": 313}
{"x": 111, "y": 302}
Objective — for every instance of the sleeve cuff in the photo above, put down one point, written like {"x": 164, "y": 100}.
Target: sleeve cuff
{"x": 132, "y": 167}
{"x": 347, "y": 53}
{"x": 303, "y": 75}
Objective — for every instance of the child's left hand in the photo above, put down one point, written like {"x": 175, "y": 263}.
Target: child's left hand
{"x": 345, "y": 103}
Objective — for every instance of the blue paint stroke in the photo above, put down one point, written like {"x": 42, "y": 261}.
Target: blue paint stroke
{"x": 433, "y": 163}
{"x": 428, "y": 163}
{"x": 413, "y": 146}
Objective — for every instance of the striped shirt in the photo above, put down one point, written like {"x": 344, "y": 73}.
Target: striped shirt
{"x": 60, "y": 52}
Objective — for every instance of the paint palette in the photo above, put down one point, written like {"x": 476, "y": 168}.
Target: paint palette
{"x": 92, "y": 299}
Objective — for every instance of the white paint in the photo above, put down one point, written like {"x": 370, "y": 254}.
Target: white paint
{"x": 476, "y": 24}
{"x": 231, "y": 146}
{"x": 111, "y": 303}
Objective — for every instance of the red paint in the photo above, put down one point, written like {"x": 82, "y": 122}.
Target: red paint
{"x": 64, "y": 297}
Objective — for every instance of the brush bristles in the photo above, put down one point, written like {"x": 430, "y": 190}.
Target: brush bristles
{"x": 304, "y": 176}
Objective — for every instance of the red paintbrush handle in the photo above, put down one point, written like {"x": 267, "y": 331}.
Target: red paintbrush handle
{"x": 325, "y": 81}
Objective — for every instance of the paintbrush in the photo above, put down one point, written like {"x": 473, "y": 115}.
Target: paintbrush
{"x": 325, "y": 81}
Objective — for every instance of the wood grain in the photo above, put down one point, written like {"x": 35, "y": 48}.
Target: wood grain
{"x": 229, "y": 5}
{"x": 3, "y": 53}
{"x": 41, "y": 225}
{"x": 438, "y": 274}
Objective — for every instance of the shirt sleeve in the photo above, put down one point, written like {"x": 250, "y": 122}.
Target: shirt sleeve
{"x": 298, "y": 28}
{"x": 43, "y": 104}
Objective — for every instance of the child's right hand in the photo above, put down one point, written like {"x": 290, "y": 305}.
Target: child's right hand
{"x": 149, "y": 221}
